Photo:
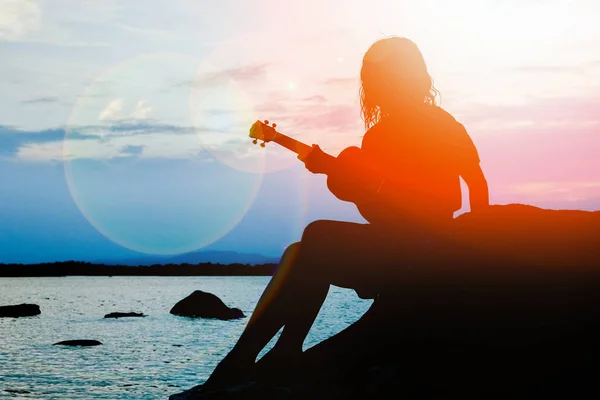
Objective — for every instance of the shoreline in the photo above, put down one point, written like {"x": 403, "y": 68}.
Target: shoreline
{"x": 77, "y": 268}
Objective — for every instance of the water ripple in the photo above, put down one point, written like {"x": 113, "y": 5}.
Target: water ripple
{"x": 141, "y": 358}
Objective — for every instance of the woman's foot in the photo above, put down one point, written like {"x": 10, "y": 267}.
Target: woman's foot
{"x": 278, "y": 362}
{"x": 233, "y": 370}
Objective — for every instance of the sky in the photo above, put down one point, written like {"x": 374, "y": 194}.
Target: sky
{"x": 124, "y": 125}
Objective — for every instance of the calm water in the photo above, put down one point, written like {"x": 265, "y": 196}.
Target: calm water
{"x": 141, "y": 358}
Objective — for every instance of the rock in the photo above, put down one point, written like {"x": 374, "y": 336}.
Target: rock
{"x": 493, "y": 323}
{"x": 124, "y": 315}
{"x": 520, "y": 234}
{"x": 205, "y": 305}
{"x": 20, "y": 310}
{"x": 17, "y": 391}
{"x": 84, "y": 342}
{"x": 440, "y": 349}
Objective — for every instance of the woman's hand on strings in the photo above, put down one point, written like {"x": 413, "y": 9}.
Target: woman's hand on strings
{"x": 315, "y": 160}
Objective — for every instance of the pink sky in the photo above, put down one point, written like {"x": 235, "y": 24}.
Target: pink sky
{"x": 182, "y": 77}
{"x": 524, "y": 78}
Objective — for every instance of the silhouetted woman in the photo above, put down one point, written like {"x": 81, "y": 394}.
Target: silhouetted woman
{"x": 405, "y": 183}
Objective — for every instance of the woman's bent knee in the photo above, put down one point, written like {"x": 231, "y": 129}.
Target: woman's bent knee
{"x": 291, "y": 251}
{"x": 316, "y": 230}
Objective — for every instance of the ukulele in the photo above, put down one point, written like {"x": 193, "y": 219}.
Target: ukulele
{"x": 350, "y": 176}
{"x": 353, "y": 177}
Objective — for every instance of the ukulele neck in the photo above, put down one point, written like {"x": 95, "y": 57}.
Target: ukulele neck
{"x": 292, "y": 144}
{"x": 303, "y": 149}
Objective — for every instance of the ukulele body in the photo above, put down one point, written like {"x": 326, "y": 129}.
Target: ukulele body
{"x": 354, "y": 177}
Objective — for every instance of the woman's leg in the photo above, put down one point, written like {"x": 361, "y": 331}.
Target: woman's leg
{"x": 268, "y": 317}
{"x": 292, "y": 301}
{"x": 330, "y": 252}
{"x": 271, "y": 311}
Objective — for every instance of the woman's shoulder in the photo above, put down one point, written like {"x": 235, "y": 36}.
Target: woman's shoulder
{"x": 454, "y": 136}
{"x": 447, "y": 126}
{"x": 441, "y": 115}
{"x": 415, "y": 121}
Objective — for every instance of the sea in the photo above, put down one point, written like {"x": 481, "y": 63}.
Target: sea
{"x": 140, "y": 358}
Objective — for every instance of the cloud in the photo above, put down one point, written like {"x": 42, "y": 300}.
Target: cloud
{"x": 248, "y": 73}
{"x": 540, "y": 152}
{"x": 551, "y": 69}
{"x": 338, "y": 117}
{"x": 131, "y": 128}
{"x": 60, "y": 23}
{"x": 132, "y": 150}
{"x": 545, "y": 112}
{"x": 141, "y": 111}
{"x": 114, "y": 111}
{"x": 315, "y": 99}
{"x": 152, "y": 33}
{"x": 91, "y": 96}
{"x": 36, "y": 152}
{"x": 18, "y": 17}
{"x": 314, "y": 112}
{"x": 148, "y": 140}
{"x": 11, "y": 138}
{"x": 41, "y": 100}
{"x": 219, "y": 111}
{"x": 555, "y": 194}
{"x": 342, "y": 82}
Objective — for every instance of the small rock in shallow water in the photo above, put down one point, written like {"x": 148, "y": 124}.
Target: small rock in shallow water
{"x": 205, "y": 305}
{"x": 78, "y": 343}
{"x": 123, "y": 315}
{"x": 19, "y": 310}
{"x": 17, "y": 391}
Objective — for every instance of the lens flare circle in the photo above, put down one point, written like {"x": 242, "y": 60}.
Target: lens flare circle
{"x": 235, "y": 85}
{"x": 143, "y": 183}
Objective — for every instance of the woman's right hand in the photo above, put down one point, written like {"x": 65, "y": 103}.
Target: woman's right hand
{"x": 316, "y": 160}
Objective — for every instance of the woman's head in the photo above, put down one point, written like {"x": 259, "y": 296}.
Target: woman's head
{"x": 393, "y": 76}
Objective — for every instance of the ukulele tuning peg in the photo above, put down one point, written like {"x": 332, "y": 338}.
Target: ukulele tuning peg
{"x": 274, "y": 125}
{"x": 255, "y": 141}
{"x": 266, "y": 122}
{"x": 262, "y": 144}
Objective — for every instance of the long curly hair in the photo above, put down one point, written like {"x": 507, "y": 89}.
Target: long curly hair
{"x": 393, "y": 75}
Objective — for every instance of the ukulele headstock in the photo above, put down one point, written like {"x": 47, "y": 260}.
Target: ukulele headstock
{"x": 261, "y": 130}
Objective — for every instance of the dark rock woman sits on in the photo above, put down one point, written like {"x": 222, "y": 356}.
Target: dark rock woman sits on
{"x": 406, "y": 186}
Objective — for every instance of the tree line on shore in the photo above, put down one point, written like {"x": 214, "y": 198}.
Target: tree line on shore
{"x": 81, "y": 268}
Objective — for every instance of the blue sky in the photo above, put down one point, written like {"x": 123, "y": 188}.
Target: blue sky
{"x": 123, "y": 125}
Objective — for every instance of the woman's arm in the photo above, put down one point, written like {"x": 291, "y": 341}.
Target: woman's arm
{"x": 349, "y": 175}
{"x": 479, "y": 197}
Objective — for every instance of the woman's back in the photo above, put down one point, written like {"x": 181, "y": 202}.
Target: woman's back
{"x": 422, "y": 150}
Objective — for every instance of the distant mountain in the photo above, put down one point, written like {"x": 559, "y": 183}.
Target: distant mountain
{"x": 197, "y": 257}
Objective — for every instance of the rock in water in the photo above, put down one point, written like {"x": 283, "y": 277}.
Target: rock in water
{"x": 17, "y": 391}
{"x": 20, "y": 310}
{"x": 201, "y": 304}
{"x": 124, "y": 315}
{"x": 85, "y": 343}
